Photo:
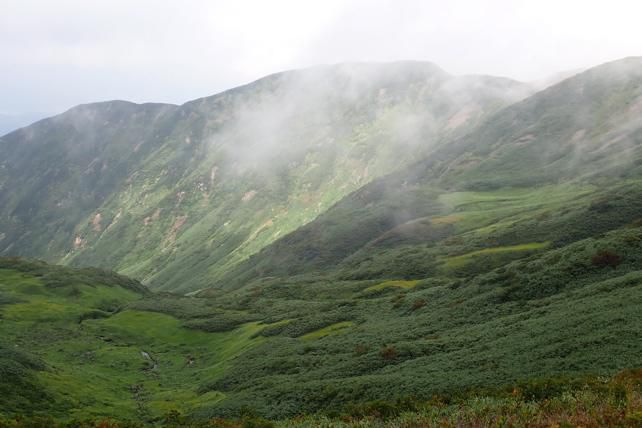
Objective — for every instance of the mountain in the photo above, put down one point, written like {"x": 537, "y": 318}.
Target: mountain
{"x": 576, "y": 141}
{"x": 497, "y": 270}
{"x": 176, "y": 196}
{"x": 510, "y": 253}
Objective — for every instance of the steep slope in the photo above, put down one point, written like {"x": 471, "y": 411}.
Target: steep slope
{"x": 177, "y": 196}
{"x": 578, "y": 142}
{"x": 55, "y": 173}
{"x": 474, "y": 268}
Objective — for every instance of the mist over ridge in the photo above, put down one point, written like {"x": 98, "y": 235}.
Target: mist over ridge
{"x": 371, "y": 244}
{"x": 237, "y": 169}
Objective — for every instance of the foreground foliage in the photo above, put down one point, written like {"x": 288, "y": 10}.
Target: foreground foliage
{"x": 590, "y": 402}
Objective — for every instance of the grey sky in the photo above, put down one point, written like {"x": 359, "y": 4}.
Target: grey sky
{"x": 58, "y": 53}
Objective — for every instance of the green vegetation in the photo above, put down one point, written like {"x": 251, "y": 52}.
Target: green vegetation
{"x": 458, "y": 261}
{"x": 589, "y": 402}
{"x": 496, "y": 281}
{"x": 395, "y": 283}
{"x": 326, "y": 331}
{"x": 313, "y": 343}
{"x": 177, "y": 196}
{"x": 73, "y": 348}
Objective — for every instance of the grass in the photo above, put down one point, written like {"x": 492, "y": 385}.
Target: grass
{"x": 335, "y": 328}
{"x": 458, "y": 261}
{"x": 114, "y": 377}
{"x": 97, "y": 367}
{"x": 315, "y": 341}
{"x": 521, "y": 300}
{"x": 477, "y": 210}
{"x": 156, "y": 157}
{"x": 446, "y": 219}
{"x": 614, "y": 402}
{"x": 590, "y": 402}
{"x": 404, "y": 284}
{"x": 433, "y": 334}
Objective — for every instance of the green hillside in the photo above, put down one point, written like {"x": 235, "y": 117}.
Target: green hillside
{"x": 82, "y": 343}
{"x": 177, "y": 195}
{"x": 90, "y": 348}
{"x": 492, "y": 276}
{"x": 562, "y": 165}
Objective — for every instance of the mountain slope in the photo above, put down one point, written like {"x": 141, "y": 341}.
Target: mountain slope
{"x": 54, "y": 173}
{"x": 176, "y": 196}
{"x": 434, "y": 281}
{"x": 85, "y": 343}
{"x": 574, "y": 143}
{"x": 442, "y": 277}
{"x": 77, "y": 343}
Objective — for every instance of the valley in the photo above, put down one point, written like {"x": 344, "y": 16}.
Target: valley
{"x": 476, "y": 261}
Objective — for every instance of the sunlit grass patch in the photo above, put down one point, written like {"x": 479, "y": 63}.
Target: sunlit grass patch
{"x": 406, "y": 284}
{"x": 458, "y": 200}
{"x": 328, "y": 330}
{"x": 138, "y": 359}
{"x": 446, "y": 219}
{"x": 458, "y": 261}
{"x": 276, "y": 324}
{"x": 501, "y": 208}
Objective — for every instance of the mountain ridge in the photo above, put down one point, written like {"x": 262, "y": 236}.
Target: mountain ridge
{"x": 499, "y": 259}
{"x": 509, "y": 141}
{"x": 348, "y": 121}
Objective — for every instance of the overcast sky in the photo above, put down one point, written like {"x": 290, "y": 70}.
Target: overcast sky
{"x": 55, "y": 54}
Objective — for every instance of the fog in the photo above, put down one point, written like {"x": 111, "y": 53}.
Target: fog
{"x": 56, "y": 54}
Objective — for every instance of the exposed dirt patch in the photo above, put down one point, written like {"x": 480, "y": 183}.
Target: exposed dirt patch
{"x": 460, "y": 117}
{"x": 115, "y": 219}
{"x": 578, "y": 135}
{"x": 98, "y": 218}
{"x": 152, "y": 218}
{"x": 307, "y": 198}
{"x": 248, "y": 196}
{"x": 525, "y": 139}
{"x": 173, "y": 231}
{"x": 360, "y": 172}
{"x": 179, "y": 197}
{"x": 213, "y": 175}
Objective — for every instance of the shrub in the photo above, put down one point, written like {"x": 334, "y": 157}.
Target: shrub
{"x": 256, "y": 422}
{"x": 606, "y": 258}
{"x": 417, "y": 304}
{"x": 360, "y": 349}
{"x": 541, "y": 389}
{"x": 388, "y": 353}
